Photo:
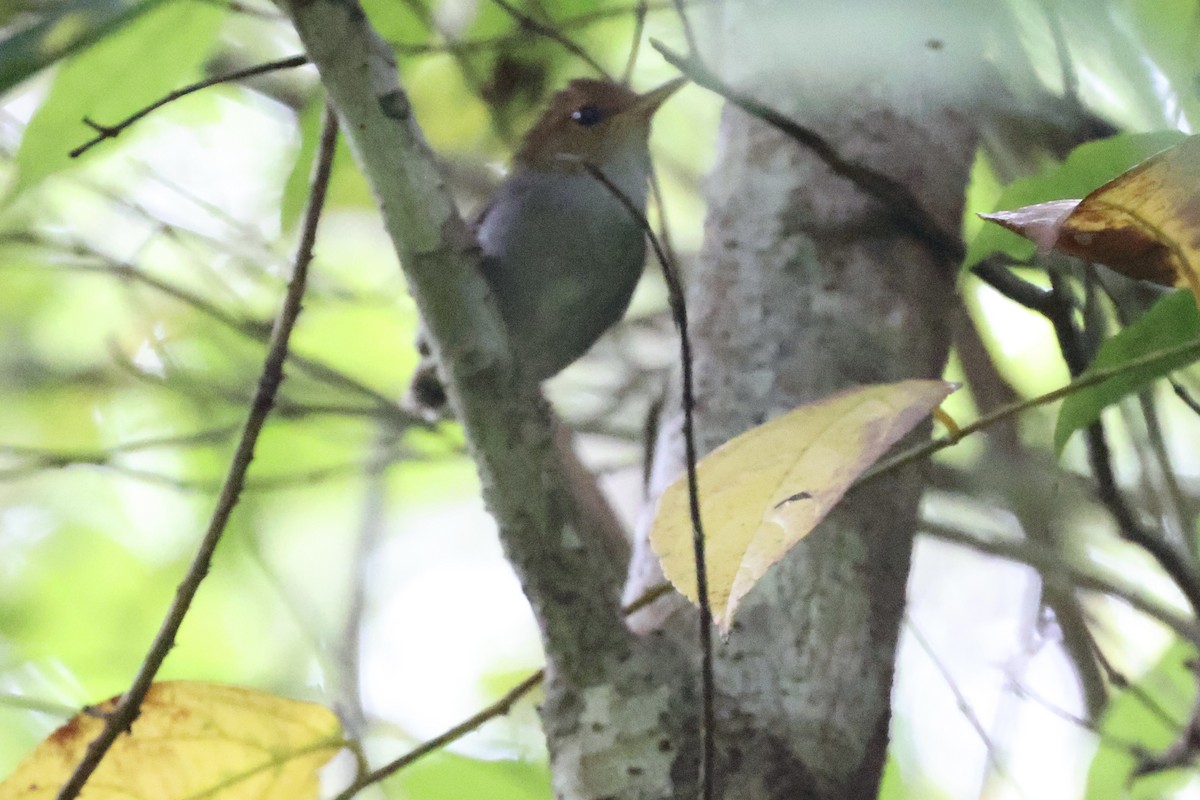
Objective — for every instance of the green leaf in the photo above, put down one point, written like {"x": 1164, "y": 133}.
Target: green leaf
{"x": 446, "y": 776}
{"x": 61, "y": 30}
{"x": 121, "y": 74}
{"x": 1172, "y": 321}
{"x": 1088, "y": 167}
{"x": 1131, "y": 720}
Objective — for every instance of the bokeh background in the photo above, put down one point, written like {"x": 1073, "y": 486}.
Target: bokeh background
{"x": 361, "y": 570}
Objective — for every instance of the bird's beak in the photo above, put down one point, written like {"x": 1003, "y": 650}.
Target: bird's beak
{"x": 646, "y": 104}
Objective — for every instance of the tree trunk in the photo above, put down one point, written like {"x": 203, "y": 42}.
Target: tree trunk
{"x": 805, "y": 286}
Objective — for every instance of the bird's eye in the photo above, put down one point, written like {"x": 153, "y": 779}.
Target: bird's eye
{"x": 587, "y": 115}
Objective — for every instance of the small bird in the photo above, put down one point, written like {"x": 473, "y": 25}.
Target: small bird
{"x": 561, "y": 253}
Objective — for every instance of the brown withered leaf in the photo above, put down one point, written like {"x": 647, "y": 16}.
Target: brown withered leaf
{"x": 1145, "y": 223}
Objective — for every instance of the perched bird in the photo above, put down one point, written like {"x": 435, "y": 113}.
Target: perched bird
{"x": 561, "y": 253}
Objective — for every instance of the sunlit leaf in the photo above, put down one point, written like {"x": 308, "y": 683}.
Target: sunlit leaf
{"x": 1145, "y": 223}
{"x": 60, "y": 30}
{"x": 1145, "y": 716}
{"x": 1172, "y": 321}
{"x": 448, "y": 776}
{"x": 1088, "y": 166}
{"x": 192, "y": 740}
{"x": 117, "y": 76}
{"x": 766, "y": 489}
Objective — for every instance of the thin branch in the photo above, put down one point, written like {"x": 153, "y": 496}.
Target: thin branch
{"x": 249, "y": 328}
{"x": 1065, "y": 65}
{"x": 123, "y": 716}
{"x": 499, "y": 40}
{"x": 995, "y": 273}
{"x": 476, "y": 720}
{"x": 1186, "y": 350}
{"x": 371, "y": 529}
{"x": 1130, "y": 746}
{"x": 1159, "y": 473}
{"x": 635, "y": 44}
{"x": 113, "y": 131}
{"x": 679, "y": 311}
{"x": 553, "y": 34}
{"x": 1057, "y": 307}
{"x": 688, "y": 34}
{"x": 1055, "y": 570}
{"x": 960, "y": 699}
{"x": 1185, "y": 397}
{"x": 1180, "y": 569}
{"x": 1182, "y": 751}
{"x": 896, "y": 198}
{"x": 203, "y": 438}
{"x": 1135, "y": 690}
{"x": 496, "y": 709}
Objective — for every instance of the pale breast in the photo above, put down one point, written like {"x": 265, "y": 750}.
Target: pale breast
{"x": 562, "y": 255}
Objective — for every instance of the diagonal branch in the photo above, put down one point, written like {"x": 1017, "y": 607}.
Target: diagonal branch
{"x": 899, "y": 201}
{"x": 113, "y": 131}
{"x": 123, "y": 716}
{"x": 503, "y": 417}
{"x": 679, "y": 313}
{"x": 552, "y": 33}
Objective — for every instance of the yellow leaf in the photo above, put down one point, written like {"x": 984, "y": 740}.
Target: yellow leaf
{"x": 765, "y": 490}
{"x": 193, "y": 740}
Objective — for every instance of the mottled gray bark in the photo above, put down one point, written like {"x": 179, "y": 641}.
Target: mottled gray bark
{"x": 805, "y": 286}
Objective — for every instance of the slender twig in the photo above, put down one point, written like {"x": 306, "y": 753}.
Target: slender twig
{"x": 1189, "y": 349}
{"x": 255, "y": 484}
{"x": 203, "y": 438}
{"x": 1056, "y": 570}
{"x": 496, "y": 709}
{"x": 252, "y": 329}
{"x": 895, "y": 196}
{"x": 113, "y": 131}
{"x": 244, "y": 8}
{"x": 1130, "y": 746}
{"x": 1181, "y": 752}
{"x": 1185, "y": 397}
{"x": 960, "y": 699}
{"x": 635, "y": 45}
{"x": 501, "y": 39}
{"x": 1061, "y": 51}
{"x": 553, "y": 34}
{"x": 995, "y": 272}
{"x": 1180, "y": 569}
{"x": 1057, "y": 307}
{"x": 371, "y": 529}
{"x": 1118, "y": 679}
{"x": 1158, "y": 471}
{"x": 688, "y": 34}
{"x": 679, "y": 311}
{"x": 123, "y": 716}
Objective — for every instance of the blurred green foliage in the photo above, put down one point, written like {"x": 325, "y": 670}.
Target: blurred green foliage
{"x": 1172, "y": 322}
{"x": 137, "y": 285}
